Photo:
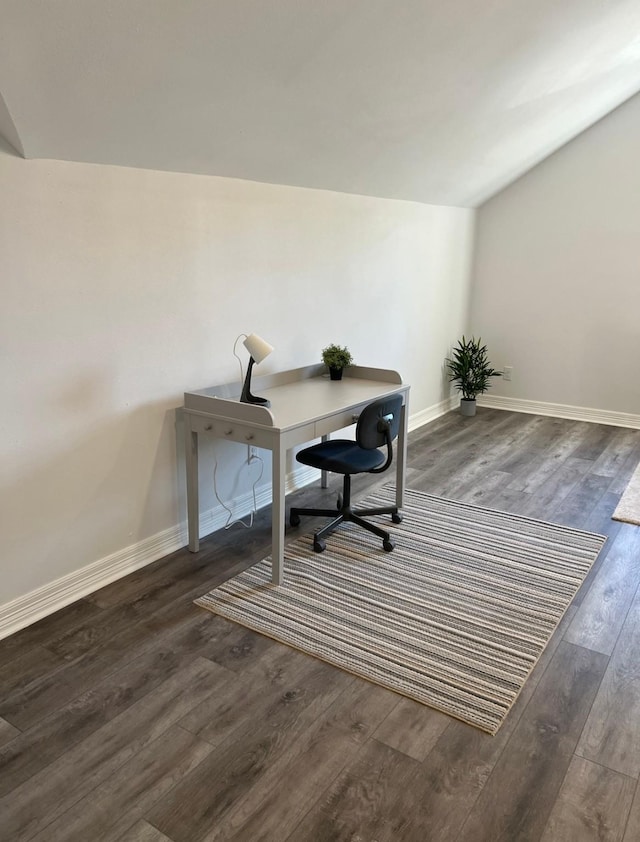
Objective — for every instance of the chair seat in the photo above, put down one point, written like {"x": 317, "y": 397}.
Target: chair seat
{"x": 341, "y": 456}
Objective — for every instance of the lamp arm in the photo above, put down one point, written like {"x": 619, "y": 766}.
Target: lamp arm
{"x": 246, "y": 396}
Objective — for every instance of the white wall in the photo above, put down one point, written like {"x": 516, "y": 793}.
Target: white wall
{"x": 557, "y": 273}
{"x": 123, "y": 288}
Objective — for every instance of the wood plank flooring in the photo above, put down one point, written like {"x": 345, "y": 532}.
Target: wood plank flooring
{"x": 134, "y": 716}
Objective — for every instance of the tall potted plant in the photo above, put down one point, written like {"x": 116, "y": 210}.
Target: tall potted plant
{"x": 471, "y": 371}
{"x": 336, "y": 358}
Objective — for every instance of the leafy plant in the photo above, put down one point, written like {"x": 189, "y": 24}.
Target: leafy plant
{"x": 336, "y": 356}
{"x": 470, "y": 369}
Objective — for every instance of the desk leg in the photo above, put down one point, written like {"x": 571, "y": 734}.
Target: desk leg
{"x": 193, "y": 503}
{"x": 278, "y": 466}
{"x": 401, "y": 460}
{"x": 324, "y": 475}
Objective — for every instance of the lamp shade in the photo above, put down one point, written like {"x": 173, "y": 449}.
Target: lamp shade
{"x": 257, "y": 347}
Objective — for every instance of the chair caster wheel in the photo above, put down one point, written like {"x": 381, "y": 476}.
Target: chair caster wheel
{"x": 319, "y": 546}
{"x": 396, "y": 517}
{"x": 294, "y": 519}
{"x": 388, "y": 545}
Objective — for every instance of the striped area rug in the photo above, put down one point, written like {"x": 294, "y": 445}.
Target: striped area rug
{"x": 455, "y": 617}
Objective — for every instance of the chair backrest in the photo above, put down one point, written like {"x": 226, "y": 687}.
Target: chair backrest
{"x": 379, "y": 422}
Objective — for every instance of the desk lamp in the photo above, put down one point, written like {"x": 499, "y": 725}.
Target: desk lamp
{"x": 258, "y": 349}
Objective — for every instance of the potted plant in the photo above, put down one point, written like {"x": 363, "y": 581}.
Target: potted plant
{"x": 336, "y": 358}
{"x": 470, "y": 370}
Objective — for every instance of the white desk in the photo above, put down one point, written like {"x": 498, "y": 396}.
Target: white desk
{"x": 305, "y": 405}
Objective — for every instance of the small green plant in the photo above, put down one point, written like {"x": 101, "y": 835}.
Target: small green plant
{"x": 336, "y": 356}
{"x": 470, "y": 369}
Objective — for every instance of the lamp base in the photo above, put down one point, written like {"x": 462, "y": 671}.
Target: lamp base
{"x": 254, "y": 399}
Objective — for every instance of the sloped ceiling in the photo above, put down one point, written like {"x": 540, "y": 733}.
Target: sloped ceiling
{"x": 437, "y": 101}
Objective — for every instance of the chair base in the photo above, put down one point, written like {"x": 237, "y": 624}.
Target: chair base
{"x": 346, "y": 514}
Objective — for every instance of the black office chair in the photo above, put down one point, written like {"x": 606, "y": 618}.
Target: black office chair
{"x": 377, "y": 425}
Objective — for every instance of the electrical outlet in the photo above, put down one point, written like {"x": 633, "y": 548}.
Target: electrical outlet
{"x": 507, "y": 372}
{"x": 253, "y": 452}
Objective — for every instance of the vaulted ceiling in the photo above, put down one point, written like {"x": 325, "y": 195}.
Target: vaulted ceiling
{"x": 437, "y": 101}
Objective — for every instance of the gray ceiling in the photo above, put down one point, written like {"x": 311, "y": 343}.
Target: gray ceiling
{"x": 437, "y": 101}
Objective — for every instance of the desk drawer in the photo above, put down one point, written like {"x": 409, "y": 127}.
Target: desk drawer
{"x": 231, "y": 430}
{"x": 338, "y": 422}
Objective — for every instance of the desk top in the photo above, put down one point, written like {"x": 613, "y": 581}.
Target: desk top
{"x": 297, "y": 397}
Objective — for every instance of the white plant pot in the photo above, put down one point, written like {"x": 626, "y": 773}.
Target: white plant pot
{"x": 467, "y": 406}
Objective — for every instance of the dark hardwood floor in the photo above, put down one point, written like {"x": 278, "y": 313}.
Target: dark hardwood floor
{"x": 134, "y": 715}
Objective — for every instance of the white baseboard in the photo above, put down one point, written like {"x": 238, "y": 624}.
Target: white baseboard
{"x": 560, "y": 410}
{"x": 432, "y": 412}
{"x": 27, "y": 609}
{"x": 55, "y": 595}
